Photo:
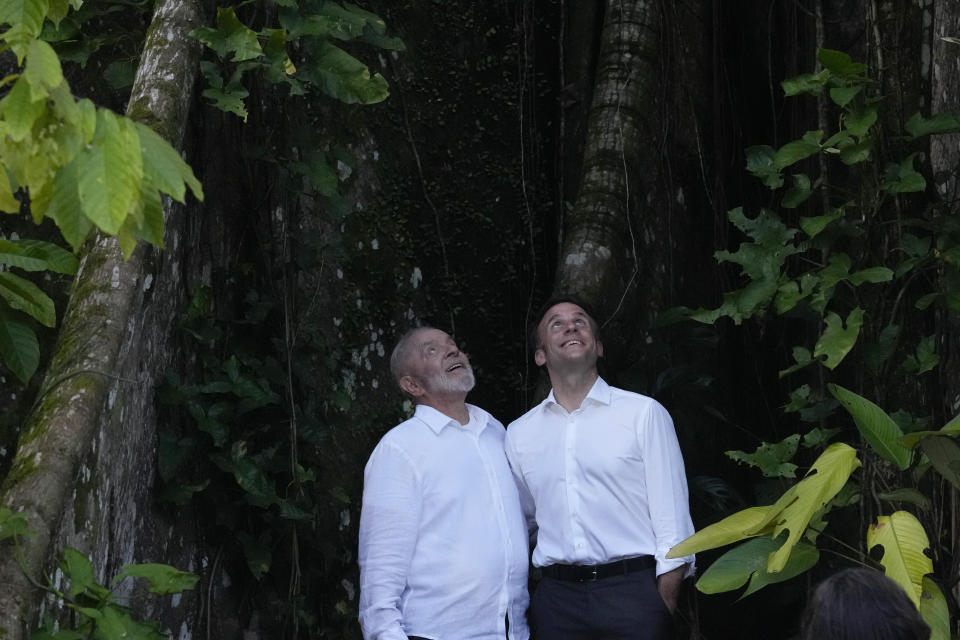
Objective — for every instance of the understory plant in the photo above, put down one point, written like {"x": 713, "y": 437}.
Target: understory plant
{"x": 862, "y": 258}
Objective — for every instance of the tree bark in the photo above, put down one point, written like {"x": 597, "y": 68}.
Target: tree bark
{"x": 85, "y": 457}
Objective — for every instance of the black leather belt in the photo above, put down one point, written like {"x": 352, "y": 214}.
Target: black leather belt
{"x": 589, "y": 573}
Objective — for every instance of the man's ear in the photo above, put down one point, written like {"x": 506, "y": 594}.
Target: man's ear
{"x": 540, "y": 357}
{"x": 412, "y": 386}
{"x": 599, "y": 349}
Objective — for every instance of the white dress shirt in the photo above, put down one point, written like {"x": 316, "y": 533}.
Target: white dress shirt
{"x": 602, "y": 483}
{"x": 443, "y": 548}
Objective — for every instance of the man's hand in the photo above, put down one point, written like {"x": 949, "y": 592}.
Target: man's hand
{"x": 668, "y": 584}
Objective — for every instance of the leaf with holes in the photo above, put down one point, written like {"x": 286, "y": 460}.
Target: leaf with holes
{"x": 904, "y": 541}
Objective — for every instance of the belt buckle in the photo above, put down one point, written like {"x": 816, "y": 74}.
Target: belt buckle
{"x": 593, "y": 574}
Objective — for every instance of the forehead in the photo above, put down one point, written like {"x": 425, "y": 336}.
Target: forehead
{"x": 427, "y": 337}
{"x": 562, "y": 310}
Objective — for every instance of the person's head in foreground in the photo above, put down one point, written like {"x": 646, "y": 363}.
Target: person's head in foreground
{"x": 861, "y": 604}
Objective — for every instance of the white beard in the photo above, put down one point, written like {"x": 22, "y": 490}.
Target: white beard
{"x": 462, "y": 381}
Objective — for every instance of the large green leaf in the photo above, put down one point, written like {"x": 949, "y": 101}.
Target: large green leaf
{"x": 230, "y": 36}
{"x": 934, "y": 609}
{"x": 110, "y": 172}
{"x": 792, "y": 512}
{"x": 952, "y": 428}
{"x": 19, "y": 347}
{"x": 20, "y": 111}
{"x": 25, "y": 296}
{"x": 945, "y": 122}
{"x": 79, "y": 570}
{"x": 341, "y": 76}
{"x": 876, "y": 427}
{"x": 903, "y": 178}
{"x": 903, "y": 540}
{"x": 165, "y": 168}
{"x": 25, "y": 18}
{"x": 163, "y": 578}
{"x": 42, "y": 70}
{"x": 944, "y": 455}
{"x": 37, "y": 255}
{"x": 748, "y": 561}
{"x": 797, "y": 150}
{"x": 837, "y": 340}
{"x": 60, "y": 200}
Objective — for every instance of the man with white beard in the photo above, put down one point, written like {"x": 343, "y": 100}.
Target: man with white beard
{"x": 443, "y": 547}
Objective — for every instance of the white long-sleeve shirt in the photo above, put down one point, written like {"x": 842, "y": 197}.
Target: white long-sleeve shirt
{"x": 443, "y": 548}
{"x": 602, "y": 483}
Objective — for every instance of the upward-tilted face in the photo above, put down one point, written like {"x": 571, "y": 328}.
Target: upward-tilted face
{"x": 436, "y": 365}
{"x": 567, "y": 337}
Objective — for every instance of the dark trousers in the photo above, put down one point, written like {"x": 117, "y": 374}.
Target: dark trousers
{"x": 617, "y": 608}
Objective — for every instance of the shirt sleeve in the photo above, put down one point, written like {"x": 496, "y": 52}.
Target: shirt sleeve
{"x": 526, "y": 498}
{"x": 666, "y": 486}
{"x": 389, "y": 519}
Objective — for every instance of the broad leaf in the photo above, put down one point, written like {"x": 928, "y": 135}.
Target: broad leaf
{"x": 808, "y": 83}
{"x": 837, "y": 340}
{"x": 12, "y": 524}
{"x": 341, "y": 76}
{"x": 842, "y": 96}
{"x": 37, "y": 255}
{"x": 79, "y": 570}
{"x": 20, "y": 111}
{"x": 859, "y": 121}
{"x": 60, "y": 200}
{"x": 903, "y": 178}
{"x": 934, "y": 610}
{"x": 792, "y": 512}
{"x": 165, "y": 168}
{"x": 925, "y": 358}
{"x": 798, "y": 193}
{"x": 230, "y": 36}
{"x": 760, "y": 164}
{"x": 25, "y": 18}
{"x": 110, "y": 172}
{"x": 43, "y": 69}
{"x": 908, "y": 495}
{"x": 952, "y": 428}
{"x": 797, "y": 150}
{"x": 163, "y": 578}
{"x": 748, "y": 561}
{"x": 945, "y": 122}
{"x": 19, "y": 347}
{"x": 840, "y": 63}
{"x": 903, "y": 540}
{"x": 876, "y": 427}
{"x": 944, "y": 455}
{"x": 25, "y": 296}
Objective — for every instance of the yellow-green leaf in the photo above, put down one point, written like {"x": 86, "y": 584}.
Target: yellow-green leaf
{"x": 740, "y": 525}
{"x": 164, "y": 167}
{"x": 8, "y": 203}
{"x": 43, "y": 69}
{"x": 934, "y": 609}
{"x": 20, "y": 111}
{"x": 748, "y": 561}
{"x": 25, "y": 18}
{"x": 110, "y": 172}
{"x": 837, "y": 341}
{"x": 903, "y": 540}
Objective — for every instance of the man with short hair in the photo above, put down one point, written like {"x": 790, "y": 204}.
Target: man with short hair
{"x": 602, "y": 484}
{"x": 443, "y": 548}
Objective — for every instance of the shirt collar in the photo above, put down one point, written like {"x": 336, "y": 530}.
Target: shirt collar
{"x": 600, "y": 392}
{"x": 437, "y": 420}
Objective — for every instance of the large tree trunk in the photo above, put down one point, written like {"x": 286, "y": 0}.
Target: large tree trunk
{"x": 84, "y": 464}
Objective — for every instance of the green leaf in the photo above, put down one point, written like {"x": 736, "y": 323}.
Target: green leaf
{"x": 230, "y": 36}
{"x": 876, "y": 354}
{"x": 842, "y": 96}
{"x": 859, "y": 121}
{"x": 925, "y": 358}
{"x": 903, "y": 178}
{"x": 110, "y": 172}
{"x": 798, "y": 193}
{"x": 945, "y": 122}
{"x": 19, "y": 347}
{"x": 163, "y": 578}
{"x": 952, "y": 428}
{"x": 78, "y": 569}
{"x": 837, "y": 340}
{"x": 341, "y": 76}
{"x": 164, "y": 167}
{"x": 748, "y": 561}
{"x": 60, "y": 200}
{"x": 808, "y": 83}
{"x": 873, "y": 275}
{"x": 840, "y": 63}
{"x": 37, "y": 255}
{"x": 908, "y": 495}
{"x": 43, "y": 70}
{"x": 760, "y": 164}
{"x": 25, "y": 18}
{"x": 771, "y": 459}
{"x": 903, "y": 540}
{"x": 934, "y": 610}
{"x": 944, "y": 455}
{"x": 12, "y": 524}
{"x": 25, "y": 296}
{"x": 876, "y": 427}
{"x": 818, "y": 437}
{"x": 801, "y": 358}
{"x": 856, "y": 153}
{"x": 120, "y": 74}
{"x": 795, "y": 151}
{"x": 812, "y": 226}
{"x": 229, "y": 100}
{"x": 20, "y": 111}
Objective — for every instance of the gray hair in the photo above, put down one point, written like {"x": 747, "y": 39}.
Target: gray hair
{"x": 401, "y": 353}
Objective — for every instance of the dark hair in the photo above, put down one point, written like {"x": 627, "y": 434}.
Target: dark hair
{"x": 862, "y": 604}
{"x": 534, "y": 335}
